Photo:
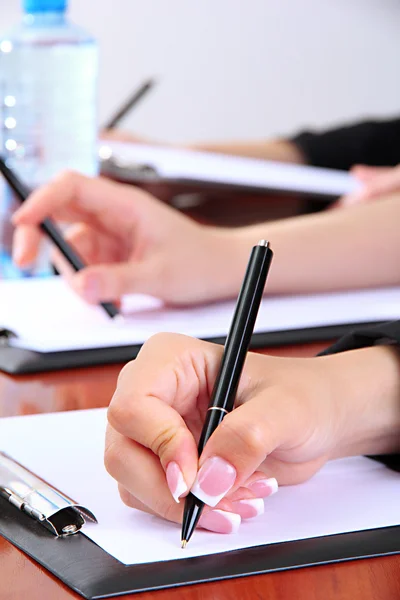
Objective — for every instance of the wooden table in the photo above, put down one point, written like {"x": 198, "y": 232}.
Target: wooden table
{"x": 23, "y": 579}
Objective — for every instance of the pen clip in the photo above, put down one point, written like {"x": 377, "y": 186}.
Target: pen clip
{"x": 41, "y": 501}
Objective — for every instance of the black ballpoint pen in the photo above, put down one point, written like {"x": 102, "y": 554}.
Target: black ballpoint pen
{"x": 129, "y": 104}
{"x": 236, "y": 346}
{"x": 52, "y": 231}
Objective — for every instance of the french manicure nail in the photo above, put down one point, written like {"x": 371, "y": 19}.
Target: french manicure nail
{"x": 175, "y": 481}
{"x": 249, "y": 507}
{"x": 214, "y": 479}
{"x": 220, "y": 521}
{"x": 263, "y": 488}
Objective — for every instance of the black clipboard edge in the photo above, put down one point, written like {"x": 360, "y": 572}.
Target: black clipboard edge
{"x": 88, "y": 570}
{"x": 19, "y": 361}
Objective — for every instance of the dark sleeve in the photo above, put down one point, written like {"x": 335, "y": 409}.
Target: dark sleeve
{"x": 387, "y": 333}
{"x": 375, "y": 143}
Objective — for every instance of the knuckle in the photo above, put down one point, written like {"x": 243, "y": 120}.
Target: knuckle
{"x": 166, "y": 508}
{"x": 67, "y": 176}
{"x": 125, "y": 372}
{"x": 170, "y": 511}
{"x": 160, "y": 339}
{"x": 112, "y": 457}
{"x": 168, "y": 346}
{"x": 163, "y": 441}
{"x": 115, "y": 280}
{"x": 247, "y": 436}
{"x": 76, "y": 232}
{"x": 120, "y": 408}
{"x": 120, "y": 411}
{"x": 126, "y": 497}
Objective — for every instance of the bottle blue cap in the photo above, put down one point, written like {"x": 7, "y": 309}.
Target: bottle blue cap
{"x": 43, "y": 6}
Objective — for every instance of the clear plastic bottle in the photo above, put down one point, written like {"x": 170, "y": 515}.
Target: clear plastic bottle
{"x": 48, "y": 105}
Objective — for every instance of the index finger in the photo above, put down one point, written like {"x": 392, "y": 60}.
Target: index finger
{"x": 165, "y": 383}
{"x": 72, "y": 196}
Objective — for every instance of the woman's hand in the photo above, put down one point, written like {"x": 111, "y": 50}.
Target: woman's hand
{"x": 291, "y": 416}
{"x": 376, "y": 182}
{"x": 131, "y": 242}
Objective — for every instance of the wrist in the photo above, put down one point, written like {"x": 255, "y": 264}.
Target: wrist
{"x": 365, "y": 385}
{"x": 279, "y": 149}
{"x": 227, "y": 254}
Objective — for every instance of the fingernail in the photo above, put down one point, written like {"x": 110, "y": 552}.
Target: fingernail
{"x": 175, "y": 480}
{"x": 263, "y": 488}
{"x": 90, "y": 288}
{"x": 220, "y": 521}
{"x": 249, "y": 507}
{"x": 18, "y": 255}
{"x": 214, "y": 479}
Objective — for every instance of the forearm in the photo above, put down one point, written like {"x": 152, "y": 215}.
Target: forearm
{"x": 366, "y": 384}
{"x": 277, "y": 150}
{"x": 358, "y": 247}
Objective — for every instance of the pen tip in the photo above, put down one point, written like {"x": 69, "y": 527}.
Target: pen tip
{"x": 264, "y": 243}
{"x": 184, "y": 542}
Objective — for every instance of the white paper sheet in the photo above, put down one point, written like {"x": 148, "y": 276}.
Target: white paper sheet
{"x": 47, "y": 316}
{"x": 66, "y": 449}
{"x": 175, "y": 163}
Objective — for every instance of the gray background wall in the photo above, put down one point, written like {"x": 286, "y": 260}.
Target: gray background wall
{"x": 243, "y": 68}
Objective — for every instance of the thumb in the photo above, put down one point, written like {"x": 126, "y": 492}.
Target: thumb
{"x": 240, "y": 444}
{"x": 108, "y": 282}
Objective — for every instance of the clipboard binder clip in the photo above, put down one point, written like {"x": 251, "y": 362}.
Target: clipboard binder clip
{"x": 114, "y": 164}
{"x": 5, "y": 336}
{"x": 33, "y": 496}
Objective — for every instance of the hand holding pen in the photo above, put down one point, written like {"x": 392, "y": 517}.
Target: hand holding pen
{"x": 157, "y": 419}
{"x": 225, "y": 388}
{"x": 128, "y": 240}
{"x": 52, "y": 231}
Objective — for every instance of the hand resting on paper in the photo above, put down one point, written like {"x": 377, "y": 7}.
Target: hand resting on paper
{"x": 292, "y": 416}
{"x": 377, "y": 183}
{"x": 132, "y": 242}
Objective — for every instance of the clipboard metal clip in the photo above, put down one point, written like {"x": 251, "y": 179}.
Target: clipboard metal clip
{"x": 114, "y": 164}
{"x": 33, "y": 496}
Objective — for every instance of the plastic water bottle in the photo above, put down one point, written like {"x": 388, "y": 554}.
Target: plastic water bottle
{"x": 48, "y": 107}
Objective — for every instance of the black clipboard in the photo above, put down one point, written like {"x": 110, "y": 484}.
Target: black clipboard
{"x": 19, "y": 361}
{"x": 91, "y": 572}
{"x": 144, "y": 175}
